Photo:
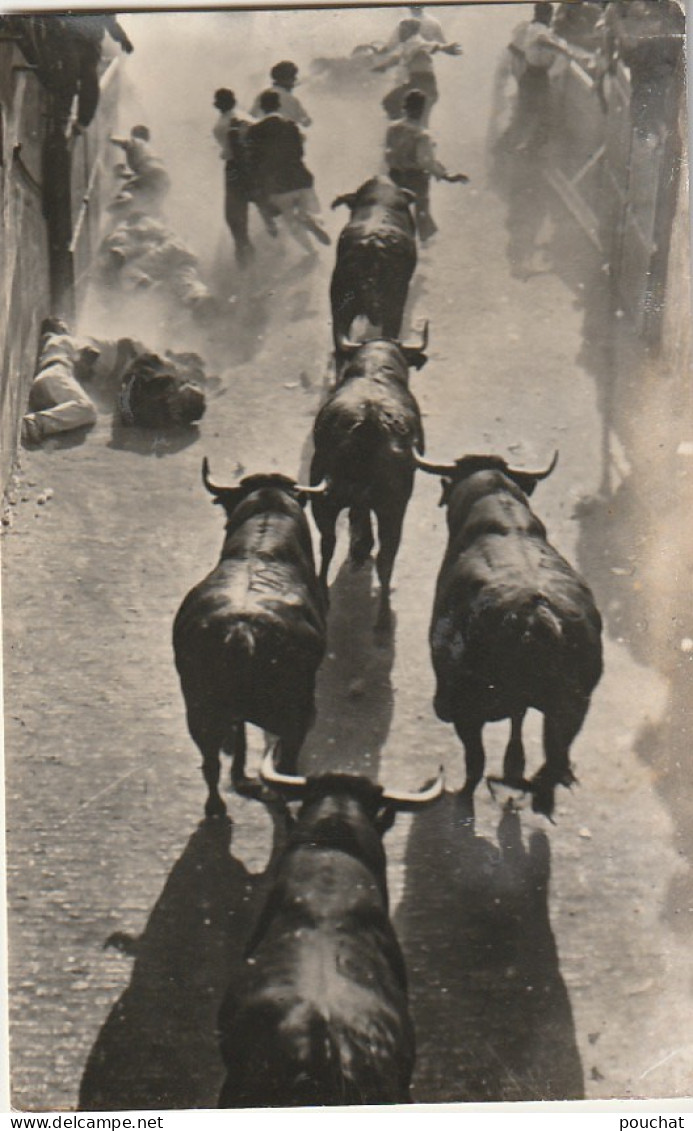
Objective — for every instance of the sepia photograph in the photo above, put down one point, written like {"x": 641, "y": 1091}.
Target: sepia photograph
{"x": 347, "y": 555}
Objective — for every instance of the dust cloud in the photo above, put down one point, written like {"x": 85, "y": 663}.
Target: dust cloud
{"x": 168, "y": 83}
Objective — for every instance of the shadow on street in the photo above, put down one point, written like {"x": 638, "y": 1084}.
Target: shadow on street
{"x": 355, "y": 700}
{"x": 491, "y": 1011}
{"x": 158, "y": 1048}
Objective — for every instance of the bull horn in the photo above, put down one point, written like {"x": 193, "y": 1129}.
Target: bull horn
{"x": 286, "y": 782}
{"x": 434, "y": 468}
{"x": 539, "y": 474}
{"x": 320, "y": 489}
{"x": 345, "y": 345}
{"x": 211, "y": 487}
{"x": 423, "y": 343}
{"x": 423, "y": 797}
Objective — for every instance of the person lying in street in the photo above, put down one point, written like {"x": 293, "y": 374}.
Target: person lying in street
{"x": 150, "y": 391}
{"x": 142, "y": 253}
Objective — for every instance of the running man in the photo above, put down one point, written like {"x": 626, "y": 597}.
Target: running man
{"x": 279, "y": 175}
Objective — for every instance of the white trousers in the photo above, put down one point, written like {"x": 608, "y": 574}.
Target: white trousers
{"x": 57, "y": 401}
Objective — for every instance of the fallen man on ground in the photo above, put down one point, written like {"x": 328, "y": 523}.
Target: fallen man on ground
{"x": 141, "y": 253}
{"x": 150, "y": 391}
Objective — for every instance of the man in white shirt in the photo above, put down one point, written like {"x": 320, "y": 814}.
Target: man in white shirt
{"x": 414, "y": 57}
{"x": 147, "y": 182}
{"x": 230, "y": 130}
{"x": 430, "y": 28}
{"x": 411, "y": 160}
{"x": 284, "y": 77}
{"x": 540, "y": 47}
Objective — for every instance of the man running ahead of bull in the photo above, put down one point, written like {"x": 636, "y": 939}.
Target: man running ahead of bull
{"x": 279, "y": 177}
{"x": 284, "y": 78}
{"x": 230, "y": 130}
{"x": 414, "y": 55}
{"x": 411, "y": 161}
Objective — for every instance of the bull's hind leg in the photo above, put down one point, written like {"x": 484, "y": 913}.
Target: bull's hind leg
{"x": 288, "y": 750}
{"x": 561, "y": 725}
{"x": 209, "y": 741}
{"x": 236, "y": 746}
{"x": 470, "y": 736}
{"x": 360, "y": 534}
{"x": 294, "y": 733}
{"x": 514, "y": 761}
{"x": 214, "y": 806}
{"x": 393, "y": 312}
{"x": 325, "y": 516}
{"x": 389, "y": 538}
{"x": 345, "y": 307}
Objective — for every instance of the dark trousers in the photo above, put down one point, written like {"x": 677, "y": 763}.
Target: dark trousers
{"x": 74, "y": 71}
{"x": 531, "y": 126}
{"x": 236, "y": 213}
{"x": 418, "y": 183}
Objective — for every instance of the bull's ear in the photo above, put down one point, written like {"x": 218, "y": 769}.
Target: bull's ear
{"x": 347, "y": 198}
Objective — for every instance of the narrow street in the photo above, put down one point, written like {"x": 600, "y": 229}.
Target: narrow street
{"x": 545, "y": 962}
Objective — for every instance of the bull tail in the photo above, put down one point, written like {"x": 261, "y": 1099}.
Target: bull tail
{"x": 239, "y": 654}
{"x": 542, "y": 623}
{"x": 521, "y": 643}
{"x": 353, "y": 459}
{"x": 325, "y": 1073}
{"x": 240, "y": 638}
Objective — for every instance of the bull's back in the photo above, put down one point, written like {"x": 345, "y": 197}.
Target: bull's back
{"x": 258, "y": 591}
{"x": 380, "y": 222}
{"x": 512, "y": 620}
{"x": 367, "y": 427}
{"x": 251, "y": 639}
{"x": 323, "y": 994}
{"x": 374, "y": 255}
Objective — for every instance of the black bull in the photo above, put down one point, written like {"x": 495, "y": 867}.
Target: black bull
{"x": 320, "y": 1016}
{"x": 249, "y": 638}
{"x": 364, "y": 436}
{"x": 376, "y": 257}
{"x": 513, "y": 626}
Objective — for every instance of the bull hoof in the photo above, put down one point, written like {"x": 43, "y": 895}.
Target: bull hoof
{"x": 465, "y": 806}
{"x": 543, "y": 800}
{"x": 359, "y": 555}
{"x": 214, "y": 807}
{"x": 248, "y": 787}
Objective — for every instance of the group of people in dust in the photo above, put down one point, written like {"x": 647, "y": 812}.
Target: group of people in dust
{"x": 74, "y": 374}
{"x": 264, "y": 165}
{"x": 263, "y": 151}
